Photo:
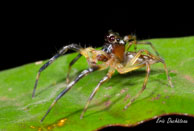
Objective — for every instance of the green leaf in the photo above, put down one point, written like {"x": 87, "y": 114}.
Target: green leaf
{"x": 19, "y": 111}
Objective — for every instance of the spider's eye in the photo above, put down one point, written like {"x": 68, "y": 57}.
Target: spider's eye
{"x": 111, "y": 38}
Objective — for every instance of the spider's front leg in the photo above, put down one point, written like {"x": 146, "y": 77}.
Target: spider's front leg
{"x": 150, "y": 44}
{"x": 131, "y": 39}
{"x": 60, "y": 53}
{"x": 107, "y": 77}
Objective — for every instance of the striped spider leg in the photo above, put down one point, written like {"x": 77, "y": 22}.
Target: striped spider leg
{"x": 61, "y": 52}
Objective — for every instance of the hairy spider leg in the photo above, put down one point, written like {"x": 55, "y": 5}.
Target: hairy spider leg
{"x": 69, "y": 86}
{"x": 144, "y": 85}
{"x": 149, "y": 43}
{"x": 70, "y": 65}
{"x": 107, "y": 77}
{"x": 131, "y": 39}
{"x": 60, "y": 53}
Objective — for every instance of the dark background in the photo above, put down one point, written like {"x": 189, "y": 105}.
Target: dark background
{"x": 32, "y": 33}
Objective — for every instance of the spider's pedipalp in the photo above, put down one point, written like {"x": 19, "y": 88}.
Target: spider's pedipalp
{"x": 81, "y": 75}
{"x": 60, "y": 53}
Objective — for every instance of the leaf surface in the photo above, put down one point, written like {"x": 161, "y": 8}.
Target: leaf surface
{"x": 19, "y": 111}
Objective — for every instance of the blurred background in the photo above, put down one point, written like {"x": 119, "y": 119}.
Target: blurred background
{"x": 33, "y": 34}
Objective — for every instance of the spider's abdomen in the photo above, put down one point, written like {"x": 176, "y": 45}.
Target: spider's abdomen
{"x": 142, "y": 58}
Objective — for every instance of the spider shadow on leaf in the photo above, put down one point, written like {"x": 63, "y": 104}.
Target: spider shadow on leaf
{"x": 138, "y": 73}
{"x": 106, "y": 107}
{"x": 133, "y": 77}
{"x": 115, "y": 80}
{"x": 50, "y": 86}
{"x": 115, "y": 101}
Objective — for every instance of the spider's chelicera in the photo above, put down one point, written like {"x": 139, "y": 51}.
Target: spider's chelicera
{"x": 114, "y": 55}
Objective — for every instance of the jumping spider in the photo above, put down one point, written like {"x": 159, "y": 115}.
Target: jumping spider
{"x": 114, "y": 55}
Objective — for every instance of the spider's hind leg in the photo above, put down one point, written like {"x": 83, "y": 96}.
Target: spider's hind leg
{"x": 166, "y": 70}
{"x": 60, "y": 53}
{"x": 70, "y": 65}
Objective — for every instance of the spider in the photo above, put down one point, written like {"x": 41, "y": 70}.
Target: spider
{"x": 114, "y": 55}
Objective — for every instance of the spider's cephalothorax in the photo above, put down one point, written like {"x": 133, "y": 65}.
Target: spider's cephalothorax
{"x": 114, "y": 44}
{"x": 114, "y": 55}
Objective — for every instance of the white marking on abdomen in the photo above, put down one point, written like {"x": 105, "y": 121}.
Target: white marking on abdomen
{"x": 130, "y": 56}
{"x": 145, "y": 57}
{"x": 139, "y": 59}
